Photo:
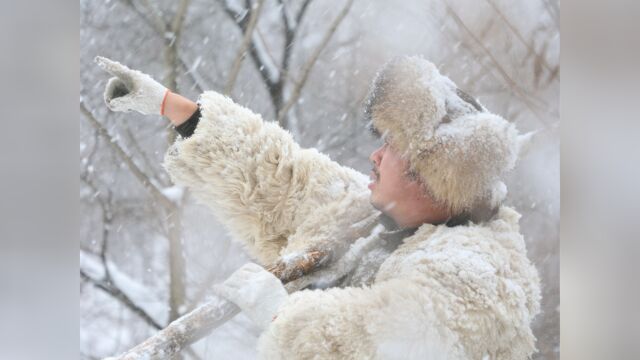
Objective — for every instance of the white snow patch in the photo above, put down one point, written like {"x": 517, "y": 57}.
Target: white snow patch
{"x": 174, "y": 193}
{"x": 142, "y": 296}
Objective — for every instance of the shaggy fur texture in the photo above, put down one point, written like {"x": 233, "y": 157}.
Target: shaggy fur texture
{"x": 457, "y": 147}
{"x": 268, "y": 191}
{"x": 445, "y": 293}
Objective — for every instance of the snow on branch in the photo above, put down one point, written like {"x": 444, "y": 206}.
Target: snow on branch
{"x": 296, "y": 273}
{"x": 92, "y": 271}
{"x": 183, "y": 331}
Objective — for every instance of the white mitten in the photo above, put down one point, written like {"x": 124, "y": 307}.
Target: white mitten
{"x": 131, "y": 89}
{"x": 256, "y": 291}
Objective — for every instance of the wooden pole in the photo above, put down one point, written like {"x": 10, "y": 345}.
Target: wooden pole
{"x": 204, "y": 319}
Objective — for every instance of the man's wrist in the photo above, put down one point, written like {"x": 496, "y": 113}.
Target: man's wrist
{"x": 187, "y": 128}
{"x": 178, "y": 108}
{"x": 164, "y": 100}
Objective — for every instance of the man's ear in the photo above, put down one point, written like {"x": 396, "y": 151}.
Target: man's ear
{"x": 413, "y": 175}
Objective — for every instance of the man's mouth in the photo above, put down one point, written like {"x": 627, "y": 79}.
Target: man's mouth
{"x": 375, "y": 175}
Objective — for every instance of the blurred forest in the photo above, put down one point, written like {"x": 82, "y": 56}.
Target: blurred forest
{"x": 149, "y": 254}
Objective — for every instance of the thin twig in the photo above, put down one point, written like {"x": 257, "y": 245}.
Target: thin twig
{"x": 507, "y": 78}
{"x": 155, "y": 22}
{"x": 519, "y": 36}
{"x": 295, "y": 93}
{"x": 115, "y": 292}
{"x": 262, "y": 65}
{"x": 143, "y": 155}
{"x": 178, "y": 19}
{"x": 242, "y": 51}
{"x": 115, "y": 146}
{"x": 156, "y": 18}
{"x": 291, "y": 27}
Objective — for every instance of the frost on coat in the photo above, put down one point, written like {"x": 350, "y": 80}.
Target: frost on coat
{"x": 461, "y": 292}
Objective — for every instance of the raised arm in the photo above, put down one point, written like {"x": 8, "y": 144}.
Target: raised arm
{"x": 251, "y": 173}
{"x": 259, "y": 181}
{"x": 132, "y": 90}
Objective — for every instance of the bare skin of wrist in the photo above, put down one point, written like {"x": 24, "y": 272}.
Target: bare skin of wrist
{"x": 178, "y": 108}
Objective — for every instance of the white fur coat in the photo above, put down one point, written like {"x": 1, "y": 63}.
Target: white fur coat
{"x": 464, "y": 292}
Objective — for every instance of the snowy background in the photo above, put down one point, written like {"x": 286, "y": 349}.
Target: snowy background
{"x": 145, "y": 260}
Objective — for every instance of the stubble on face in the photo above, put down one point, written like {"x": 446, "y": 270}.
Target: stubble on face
{"x": 388, "y": 179}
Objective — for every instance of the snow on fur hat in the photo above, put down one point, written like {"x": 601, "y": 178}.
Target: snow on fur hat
{"x": 457, "y": 148}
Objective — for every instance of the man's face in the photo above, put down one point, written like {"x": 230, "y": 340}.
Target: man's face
{"x": 400, "y": 196}
{"x": 390, "y": 185}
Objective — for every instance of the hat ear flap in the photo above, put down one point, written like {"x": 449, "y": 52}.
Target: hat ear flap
{"x": 525, "y": 141}
{"x": 469, "y": 155}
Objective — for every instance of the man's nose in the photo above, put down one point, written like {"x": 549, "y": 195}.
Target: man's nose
{"x": 375, "y": 155}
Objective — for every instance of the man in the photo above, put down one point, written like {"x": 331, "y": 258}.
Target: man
{"x": 423, "y": 259}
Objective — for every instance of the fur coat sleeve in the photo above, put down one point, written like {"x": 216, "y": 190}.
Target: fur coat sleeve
{"x": 261, "y": 185}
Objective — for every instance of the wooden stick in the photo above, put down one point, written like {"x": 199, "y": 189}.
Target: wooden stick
{"x": 296, "y": 268}
{"x": 204, "y": 319}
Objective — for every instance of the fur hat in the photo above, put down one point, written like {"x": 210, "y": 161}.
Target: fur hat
{"x": 457, "y": 148}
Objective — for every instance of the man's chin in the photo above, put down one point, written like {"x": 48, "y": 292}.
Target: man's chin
{"x": 376, "y": 203}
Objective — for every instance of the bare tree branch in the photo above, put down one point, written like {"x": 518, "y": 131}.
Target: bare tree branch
{"x": 144, "y": 179}
{"x": 291, "y": 26}
{"x": 176, "y": 261}
{"x": 107, "y": 218}
{"x": 273, "y": 76}
{"x": 148, "y": 167}
{"x": 94, "y": 149}
{"x": 506, "y": 77}
{"x": 242, "y": 51}
{"x": 262, "y": 64}
{"x": 155, "y": 22}
{"x": 201, "y": 321}
{"x": 156, "y": 18}
{"x": 176, "y": 264}
{"x": 184, "y": 331}
{"x": 295, "y": 93}
{"x": 115, "y": 292}
{"x": 178, "y": 19}
{"x": 171, "y": 54}
{"x": 519, "y": 36}
{"x": 195, "y": 77}
{"x": 160, "y": 30}
{"x": 301, "y": 12}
